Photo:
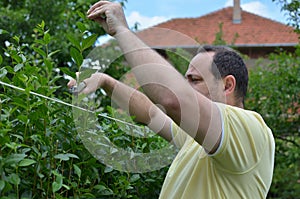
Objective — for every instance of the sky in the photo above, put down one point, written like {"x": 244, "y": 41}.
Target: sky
{"x": 148, "y": 13}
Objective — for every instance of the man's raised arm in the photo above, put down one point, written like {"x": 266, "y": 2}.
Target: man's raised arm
{"x": 161, "y": 82}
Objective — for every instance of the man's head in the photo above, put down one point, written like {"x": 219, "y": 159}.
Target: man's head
{"x": 220, "y": 74}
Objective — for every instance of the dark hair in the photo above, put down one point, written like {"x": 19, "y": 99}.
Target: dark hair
{"x": 228, "y": 62}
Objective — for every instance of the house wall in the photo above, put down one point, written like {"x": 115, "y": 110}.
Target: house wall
{"x": 262, "y": 52}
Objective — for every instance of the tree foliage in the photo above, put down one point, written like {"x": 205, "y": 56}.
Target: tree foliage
{"x": 274, "y": 92}
{"x": 292, "y": 9}
{"x": 41, "y": 152}
{"x": 61, "y": 18}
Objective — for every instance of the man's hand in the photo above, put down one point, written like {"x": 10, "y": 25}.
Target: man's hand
{"x": 92, "y": 83}
{"x": 110, "y": 16}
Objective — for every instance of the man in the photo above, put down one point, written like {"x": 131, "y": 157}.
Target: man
{"x": 225, "y": 151}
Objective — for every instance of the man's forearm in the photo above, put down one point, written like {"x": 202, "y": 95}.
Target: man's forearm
{"x": 139, "y": 106}
{"x": 129, "y": 99}
{"x": 162, "y": 83}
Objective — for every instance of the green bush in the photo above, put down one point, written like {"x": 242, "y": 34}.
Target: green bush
{"x": 41, "y": 154}
{"x": 274, "y": 92}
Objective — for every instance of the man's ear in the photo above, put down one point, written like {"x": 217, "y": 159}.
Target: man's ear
{"x": 229, "y": 84}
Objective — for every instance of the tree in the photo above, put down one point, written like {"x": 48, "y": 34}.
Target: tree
{"x": 292, "y": 10}
{"x": 274, "y": 92}
{"x": 42, "y": 154}
{"x": 61, "y": 18}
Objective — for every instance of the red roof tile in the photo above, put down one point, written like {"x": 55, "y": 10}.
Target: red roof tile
{"x": 254, "y": 30}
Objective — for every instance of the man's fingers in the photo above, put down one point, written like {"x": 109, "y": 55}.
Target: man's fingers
{"x": 81, "y": 86}
{"x": 71, "y": 83}
{"x": 97, "y": 13}
{"x": 97, "y": 5}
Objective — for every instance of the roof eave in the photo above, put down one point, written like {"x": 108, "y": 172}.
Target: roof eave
{"x": 235, "y": 45}
{"x": 267, "y": 45}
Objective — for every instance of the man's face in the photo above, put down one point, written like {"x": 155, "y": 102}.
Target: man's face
{"x": 200, "y": 77}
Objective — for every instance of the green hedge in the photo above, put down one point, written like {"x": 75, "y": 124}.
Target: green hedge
{"x": 274, "y": 92}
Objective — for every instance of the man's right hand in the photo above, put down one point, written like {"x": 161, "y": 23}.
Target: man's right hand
{"x": 110, "y": 16}
{"x": 92, "y": 83}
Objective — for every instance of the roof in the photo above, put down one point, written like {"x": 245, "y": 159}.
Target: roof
{"x": 253, "y": 31}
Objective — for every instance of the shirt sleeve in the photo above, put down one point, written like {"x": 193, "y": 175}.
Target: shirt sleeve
{"x": 245, "y": 137}
{"x": 178, "y": 135}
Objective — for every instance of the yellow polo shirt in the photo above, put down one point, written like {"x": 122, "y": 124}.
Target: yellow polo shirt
{"x": 242, "y": 167}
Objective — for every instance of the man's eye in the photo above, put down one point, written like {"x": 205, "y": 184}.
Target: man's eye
{"x": 195, "y": 79}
